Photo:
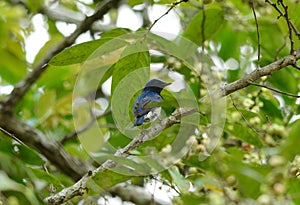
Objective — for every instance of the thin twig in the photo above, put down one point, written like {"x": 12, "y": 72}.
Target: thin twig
{"x": 13, "y": 136}
{"x": 79, "y": 188}
{"x": 296, "y": 66}
{"x": 258, "y": 73}
{"x": 244, "y": 118}
{"x": 286, "y": 16}
{"x": 278, "y": 50}
{"x": 258, "y": 34}
{"x": 203, "y": 29}
{"x": 173, "y": 5}
{"x": 275, "y": 90}
{"x": 290, "y": 25}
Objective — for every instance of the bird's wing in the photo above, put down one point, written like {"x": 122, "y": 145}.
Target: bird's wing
{"x": 140, "y": 108}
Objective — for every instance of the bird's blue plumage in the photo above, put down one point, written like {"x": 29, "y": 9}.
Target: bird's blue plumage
{"x": 150, "y": 94}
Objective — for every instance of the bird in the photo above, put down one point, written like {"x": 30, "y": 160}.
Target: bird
{"x": 142, "y": 109}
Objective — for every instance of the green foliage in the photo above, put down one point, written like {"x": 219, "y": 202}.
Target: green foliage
{"x": 206, "y": 22}
{"x": 108, "y": 179}
{"x": 255, "y": 160}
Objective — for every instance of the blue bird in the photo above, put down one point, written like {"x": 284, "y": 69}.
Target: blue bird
{"x": 142, "y": 109}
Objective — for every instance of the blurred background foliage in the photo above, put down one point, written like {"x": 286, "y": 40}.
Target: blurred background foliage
{"x": 257, "y": 160}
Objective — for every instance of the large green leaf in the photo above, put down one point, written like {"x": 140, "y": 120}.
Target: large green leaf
{"x": 267, "y": 27}
{"x": 271, "y": 107}
{"x": 182, "y": 183}
{"x": 211, "y": 19}
{"x": 47, "y": 177}
{"x": 30, "y": 156}
{"x": 134, "y": 57}
{"x": 55, "y": 75}
{"x": 45, "y": 105}
{"x": 45, "y": 49}
{"x": 81, "y": 52}
{"x": 293, "y": 187}
{"x": 284, "y": 80}
{"x": 244, "y": 133}
{"x": 107, "y": 179}
{"x": 12, "y": 69}
{"x": 291, "y": 146}
{"x": 8, "y": 184}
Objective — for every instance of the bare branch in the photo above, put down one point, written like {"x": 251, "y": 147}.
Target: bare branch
{"x": 23, "y": 86}
{"x": 79, "y": 187}
{"x": 286, "y": 16}
{"x": 61, "y": 13}
{"x": 170, "y": 9}
{"x": 278, "y": 50}
{"x": 53, "y": 151}
{"x": 244, "y": 118}
{"x": 258, "y": 34}
{"x": 275, "y": 90}
{"x": 258, "y": 73}
{"x": 133, "y": 193}
{"x": 290, "y": 25}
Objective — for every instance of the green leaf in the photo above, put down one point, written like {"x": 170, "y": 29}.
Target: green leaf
{"x": 45, "y": 105}
{"x": 290, "y": 147}
{"x": 130, "y": 74}
{"x": 132, "y": 3}
{"x": 108, "y": 179}
{"x": 290, "y": 81}
{"x": 271, "y": 107}
{"x": 135, "y": 56}
{"x": 81, "y": 52}
{"x": 12, "y": 69}
{"x": 192, "y": 198}
{"x": 30, "y": 156}
{"x": 268, "y": 27}
{"x": 230, "y": 44}
{"x": 13, "y": 166}
{"x": 48, "y": 46}
{"x": 93, "y": 139}
{"x": 214, "y": 18}
{"x": 182, "y": 183}
{"x": 244, "y": 133}
{"x": 55, "y": 75}
{"x": 8, "y": 184}
{"x": 136, "y": 165}
{"x": 293, "y": 187}
{"x": 249, "y": 178}
{"x": 47, "y": 177}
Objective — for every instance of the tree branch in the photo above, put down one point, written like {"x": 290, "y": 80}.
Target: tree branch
{"x": 53, "y": 151}
{"x": 276, "y": 91}
{"x": 61, "y": 13}
{"x": 23, "y": 86}
{"x": 290, "y": 25}
{"x": 258, "y": 34}
{"x": 173, "y": 5}
{"x": 135, "y": 194}
{"x": 258, "y": 73}
{"x": 79, "y": 187}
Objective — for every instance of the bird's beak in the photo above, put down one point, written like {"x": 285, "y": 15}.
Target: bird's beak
{"x": 166, "y": 84}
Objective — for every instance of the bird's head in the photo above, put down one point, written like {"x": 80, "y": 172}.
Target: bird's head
{"x": 156, "y": 85}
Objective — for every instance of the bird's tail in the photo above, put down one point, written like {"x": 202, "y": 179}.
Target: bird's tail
{"x": 138, "y": 121}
